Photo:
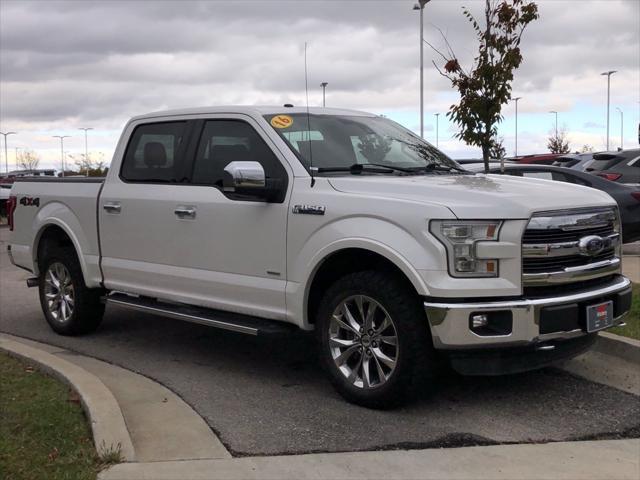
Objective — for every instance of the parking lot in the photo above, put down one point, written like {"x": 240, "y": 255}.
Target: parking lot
{"x": 265, "y": 397}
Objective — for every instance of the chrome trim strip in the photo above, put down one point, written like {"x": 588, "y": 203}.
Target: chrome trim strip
{"x": 560, "y": 249}
{"x": 527, "y": 303}
{"x": 573, "y": 274}
{"x": 183, "y": 316}
{"x": 572, "y": 220}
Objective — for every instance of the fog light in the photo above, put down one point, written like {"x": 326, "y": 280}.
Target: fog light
{"x": 479, "y": 321}
{"x": 491, "y": 324}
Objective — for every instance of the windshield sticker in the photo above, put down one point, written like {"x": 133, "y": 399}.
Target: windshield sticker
{"x": 281, "y": 121}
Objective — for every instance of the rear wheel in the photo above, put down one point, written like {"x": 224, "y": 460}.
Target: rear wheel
{"x": 70, "y": 307}
{"x": 373, "y": 338}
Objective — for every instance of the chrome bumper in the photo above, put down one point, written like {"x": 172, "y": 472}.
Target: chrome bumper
{"x": 450, "y": 321}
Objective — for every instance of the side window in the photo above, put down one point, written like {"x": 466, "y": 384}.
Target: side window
{"x": 153, "y": 153}
{"x": 542, "y": 175}
{"x": 226, "y": 141}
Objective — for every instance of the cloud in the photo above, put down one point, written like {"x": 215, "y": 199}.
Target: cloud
{"x": 70, "y": 64}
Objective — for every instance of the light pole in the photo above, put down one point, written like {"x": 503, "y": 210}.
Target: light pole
{"x": 6, "y": 156}
{"x": 420, "y": 6}
{"x": 86, "y": 149}
{"x": 324, "y": 88}
{"x": 62, "y": 137}
{"x": 553, "y": 111}
{"x": 621, "y": 128}
{"x": 608, "y": 74}
{"x": 437, "y": 115}
{"x": 516, "y": 100}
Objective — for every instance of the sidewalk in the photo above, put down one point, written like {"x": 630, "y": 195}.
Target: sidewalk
{"x": 168, "y": 440}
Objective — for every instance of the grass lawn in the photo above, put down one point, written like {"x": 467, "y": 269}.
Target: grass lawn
{"x": 632, "y": 330}
{"x": 43, "y": 431}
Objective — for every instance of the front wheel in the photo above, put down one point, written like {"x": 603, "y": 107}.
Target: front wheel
{"x": 373, "y": 337}
{"x": 70, "y": 307}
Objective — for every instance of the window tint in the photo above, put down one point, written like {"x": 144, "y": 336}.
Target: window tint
{"x": 543, "y": 175}
{"x": 153, "y": 153}
{"x": 226, "y": 141}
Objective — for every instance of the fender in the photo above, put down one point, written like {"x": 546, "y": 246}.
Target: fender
{"x": 58, "y": 214}
{"x": 320, "y": 246}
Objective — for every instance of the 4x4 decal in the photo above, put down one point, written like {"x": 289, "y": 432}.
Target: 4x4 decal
{"x": 30, "y": 201}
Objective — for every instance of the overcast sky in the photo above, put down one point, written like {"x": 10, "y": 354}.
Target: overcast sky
{"x": 65, "y": 65}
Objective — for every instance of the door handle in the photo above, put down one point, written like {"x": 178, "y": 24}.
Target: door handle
{"x": 112, "y": 207}
{"x": 185, "y": 212}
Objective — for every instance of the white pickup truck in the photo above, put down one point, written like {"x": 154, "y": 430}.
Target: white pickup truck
{"x": 264, "y": 219}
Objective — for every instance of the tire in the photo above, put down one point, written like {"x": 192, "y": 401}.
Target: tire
{"x": 80, "y": 309}
{"x": 353, "y": 361}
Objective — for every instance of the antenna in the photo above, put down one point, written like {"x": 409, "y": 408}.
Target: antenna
{"x": 306, "y": 89}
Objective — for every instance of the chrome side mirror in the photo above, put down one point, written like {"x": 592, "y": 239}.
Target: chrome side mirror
{"x": 243, "y": 177}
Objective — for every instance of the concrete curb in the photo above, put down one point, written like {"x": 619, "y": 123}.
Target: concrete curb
{"x": 107, "y": 423}
{"x": 618, "y": 346}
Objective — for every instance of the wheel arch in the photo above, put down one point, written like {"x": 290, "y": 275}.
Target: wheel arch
{"x": 60, "y": 234}
{"x": 343, "y": 259}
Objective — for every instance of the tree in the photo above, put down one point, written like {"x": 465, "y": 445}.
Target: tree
{"x": 88, "y": 166}
{"x": 487, "y": 85}
{"x": 558, "y": 143}
{"x": 28, "y": 160}
{"x": 497, "y": 150}
{"x": 586, "y": 148}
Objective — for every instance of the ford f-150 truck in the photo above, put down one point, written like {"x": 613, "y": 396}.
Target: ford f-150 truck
{"x": 260, "y": 220}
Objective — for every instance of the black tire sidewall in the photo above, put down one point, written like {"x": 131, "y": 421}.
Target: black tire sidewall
{"x": 87, "y": 311}
{"x": 411, "y": 327}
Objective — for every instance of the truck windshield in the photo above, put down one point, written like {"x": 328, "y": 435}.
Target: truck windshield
{"x": 338, "y": 143}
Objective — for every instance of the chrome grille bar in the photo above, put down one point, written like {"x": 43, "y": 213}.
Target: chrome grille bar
{"x": 570, "y": 245}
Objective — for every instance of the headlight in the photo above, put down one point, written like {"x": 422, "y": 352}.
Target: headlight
{"x": 460, "y": 238}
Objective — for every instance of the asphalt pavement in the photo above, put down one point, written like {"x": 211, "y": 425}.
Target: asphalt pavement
{"x": 268, "y": 397}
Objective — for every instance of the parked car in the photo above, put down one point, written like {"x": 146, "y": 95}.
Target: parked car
{"x": 626, "y": 196}
{"x": 542, "y": 158}
{"x": 622, "y": 166}
{"x": 264, "y": 219}
{"x": 577, "y": 161}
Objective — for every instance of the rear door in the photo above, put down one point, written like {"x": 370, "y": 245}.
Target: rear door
{"x": 138, "y": 226}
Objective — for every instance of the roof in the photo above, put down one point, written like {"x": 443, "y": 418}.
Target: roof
{"x": 257, "y": 110}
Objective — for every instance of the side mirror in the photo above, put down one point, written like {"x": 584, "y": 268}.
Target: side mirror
{"x": 244, "y": 178}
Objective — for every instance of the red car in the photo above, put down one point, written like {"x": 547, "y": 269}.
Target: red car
{"x": 540, "y": 159}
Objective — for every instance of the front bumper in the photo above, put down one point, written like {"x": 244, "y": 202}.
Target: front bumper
{"x": 534, "y": 320}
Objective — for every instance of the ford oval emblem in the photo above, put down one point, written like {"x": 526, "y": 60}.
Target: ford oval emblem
{"x": 591, "y": 245}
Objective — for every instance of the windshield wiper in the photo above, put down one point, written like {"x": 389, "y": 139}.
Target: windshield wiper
{"x": 356, "y": 168}
{"x": 431, "y": 167}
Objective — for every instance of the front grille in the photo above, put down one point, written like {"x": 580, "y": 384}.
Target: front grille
{"x": 558, "y": 264}
{"x": 555, "y": 246}
{"x": 556, "y": 235}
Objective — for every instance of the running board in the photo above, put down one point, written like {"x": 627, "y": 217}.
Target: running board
{"x": 213, "y": 318}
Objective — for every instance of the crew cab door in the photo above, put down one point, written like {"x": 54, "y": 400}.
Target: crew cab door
{"x": 185, "y": 239}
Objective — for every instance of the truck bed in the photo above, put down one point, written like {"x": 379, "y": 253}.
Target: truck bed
{"x": 66, "y": 203}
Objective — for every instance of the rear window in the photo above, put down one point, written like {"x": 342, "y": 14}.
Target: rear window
{"x": 154, "y": 153}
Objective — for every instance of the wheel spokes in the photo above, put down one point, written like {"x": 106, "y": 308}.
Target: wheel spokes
{"x": 363, "y": 341}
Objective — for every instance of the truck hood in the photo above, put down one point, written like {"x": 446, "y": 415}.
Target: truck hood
{"x": 477, "y": 196}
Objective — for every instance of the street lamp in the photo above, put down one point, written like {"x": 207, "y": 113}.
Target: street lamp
{"x": 6, "y": 156}
{"x": 553, "y": 111}
{"x": 437, "y": 115}
{"x": 86, "y": 150}
{"x": 608, "y": 74}
{"x": 621, "y": 128}
{"x": 516, "y": 100}
{"x": 324, "y": 88}
{"x": 420, "y": 6}
{"x": 62, "y": 137}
